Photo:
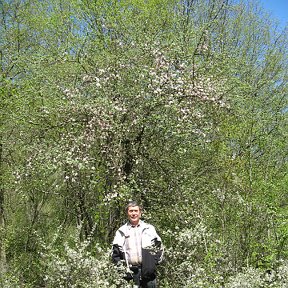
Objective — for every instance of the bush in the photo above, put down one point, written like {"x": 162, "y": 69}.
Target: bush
{"x": 74, "y": 265}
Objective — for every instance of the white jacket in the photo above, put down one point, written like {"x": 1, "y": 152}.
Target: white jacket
{"x": 149, "y": 235}
{"x": 152, "y": 250}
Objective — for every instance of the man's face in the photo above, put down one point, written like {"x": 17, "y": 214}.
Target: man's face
{"x": 134, "y": 214}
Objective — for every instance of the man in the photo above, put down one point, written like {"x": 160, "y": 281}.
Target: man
{"x": 138, "y": 245}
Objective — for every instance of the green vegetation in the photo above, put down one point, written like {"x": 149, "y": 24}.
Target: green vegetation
{"x": 181, "y": 105}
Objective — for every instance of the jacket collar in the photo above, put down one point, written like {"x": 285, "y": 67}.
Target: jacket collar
{"x": 140, "y": 224}
{"x": 127, "y": 226}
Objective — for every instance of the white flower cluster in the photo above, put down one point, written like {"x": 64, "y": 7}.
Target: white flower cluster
{"x": 74, "y": 266}
{"x": 257, "y": 278}
{"x": 184, "y": 255}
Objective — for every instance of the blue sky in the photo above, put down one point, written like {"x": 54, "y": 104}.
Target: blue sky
{"x": 278, "y": 8}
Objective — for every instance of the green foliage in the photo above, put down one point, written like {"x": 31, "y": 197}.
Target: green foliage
{"x": 181, "y": 105}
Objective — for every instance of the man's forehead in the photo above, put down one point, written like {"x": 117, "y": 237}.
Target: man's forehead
{"x": 134, "y": 207}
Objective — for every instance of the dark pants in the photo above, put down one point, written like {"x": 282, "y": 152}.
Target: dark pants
{"x": 143, "y": 283}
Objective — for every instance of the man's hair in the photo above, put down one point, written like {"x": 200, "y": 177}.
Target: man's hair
{"x": 133, "y": 204}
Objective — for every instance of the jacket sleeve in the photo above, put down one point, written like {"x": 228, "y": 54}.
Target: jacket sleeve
{"x": 159, "y": 250}
{"x": 157, "y": 246}
{"x": 117, "y": 248}
{"x": 117, "y": 254}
